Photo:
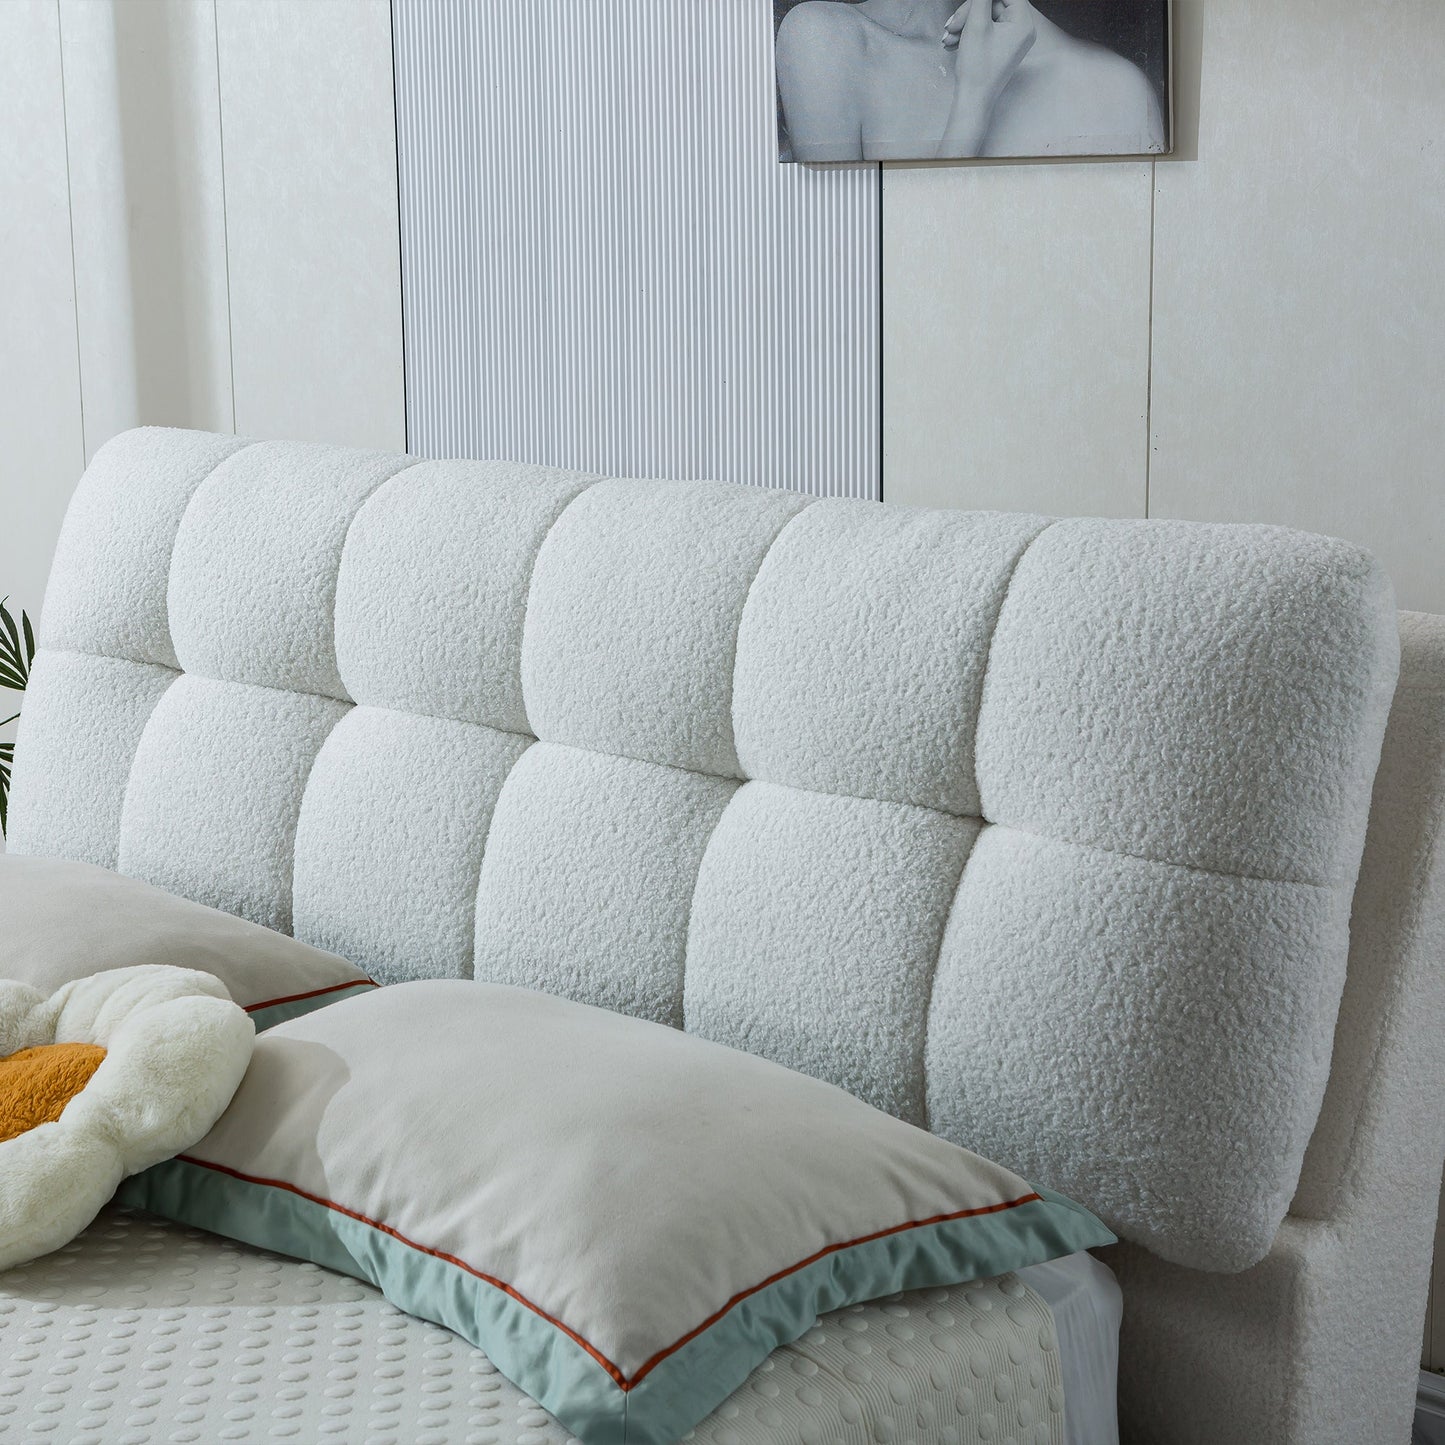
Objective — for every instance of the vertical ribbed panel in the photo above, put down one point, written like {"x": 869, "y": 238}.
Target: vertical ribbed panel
{"x": 604, "y": 265}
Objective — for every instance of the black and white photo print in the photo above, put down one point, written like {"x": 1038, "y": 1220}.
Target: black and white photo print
{"x": 901, "y": 80}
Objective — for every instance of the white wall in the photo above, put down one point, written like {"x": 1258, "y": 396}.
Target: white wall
{"x": 147, "y": 214}
{"x": 198, "y": 227}
{"x": 42, "y": 445}
{"x": 1250, "y": 330}
{"x": 313, "y": 249}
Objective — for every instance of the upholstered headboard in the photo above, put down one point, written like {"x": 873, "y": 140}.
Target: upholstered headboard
{"x": 1043, "y": 834}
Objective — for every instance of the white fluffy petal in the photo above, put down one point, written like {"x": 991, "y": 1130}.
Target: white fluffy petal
{"x": 91, "y": 1009}
{"x": 176, "y": 1049}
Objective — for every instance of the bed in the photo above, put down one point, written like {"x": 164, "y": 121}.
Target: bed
{"x": 768, "y": 769}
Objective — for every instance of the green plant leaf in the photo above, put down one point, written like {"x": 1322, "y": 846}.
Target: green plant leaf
{"x": 10, "y": 641}
{"x": 15, "y": 659}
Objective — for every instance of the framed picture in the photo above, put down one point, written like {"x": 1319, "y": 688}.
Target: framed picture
{"x": 918, "y": 80}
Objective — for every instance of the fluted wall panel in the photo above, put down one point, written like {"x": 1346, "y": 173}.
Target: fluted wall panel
{"x": 604, "y": 265}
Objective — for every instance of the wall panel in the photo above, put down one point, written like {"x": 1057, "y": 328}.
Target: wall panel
{"x": 607, "y": 268}
{"x": 1299, "y": 294}
{"x": 310, "y": 167}
{"x": 1016, "y": 336}
{"x": 41, "y": 440}
{"x": 143, "y": 118}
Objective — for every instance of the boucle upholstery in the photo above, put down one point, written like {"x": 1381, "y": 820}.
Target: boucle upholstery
{"x": 1320, "y": 1341}
{"x": 1041, "y": 834}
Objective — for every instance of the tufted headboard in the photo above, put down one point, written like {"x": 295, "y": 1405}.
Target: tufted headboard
{"x": 1041, "y": 834}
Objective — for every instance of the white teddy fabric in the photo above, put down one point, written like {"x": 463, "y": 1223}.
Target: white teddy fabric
{"x": 82, "y": 722}
{"x": 260, "y": 543}
{"x": 585, "y": 888}
{"x": 1174, "y": 729}
{"x": 633, "y": 615}
{"x": 112, "y": 565}
{"x": 815, "y": 930}
{"x": 1074, "y": 993}
{"x": 1320, "y": 1341}
{"x": 211, "y": 809}
{"x": 389, "y": 840}
{"x": 445, "y": 639}
{"x": 862, "y": 652}
{"x": 176, "y": 1048}
{"x": 1023, "y": 805}
{"x": 1107, "y": 720}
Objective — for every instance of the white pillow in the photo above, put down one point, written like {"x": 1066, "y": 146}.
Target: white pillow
{"x": 65, "y": 921}
{"x": 627, "y": 1219}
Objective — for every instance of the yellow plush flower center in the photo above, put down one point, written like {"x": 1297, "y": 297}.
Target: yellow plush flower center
{"x": 37, "y": 1084}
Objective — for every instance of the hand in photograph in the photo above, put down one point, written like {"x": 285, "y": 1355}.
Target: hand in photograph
{"x": 935, "y": 79}
{"x": 989, "y": 39}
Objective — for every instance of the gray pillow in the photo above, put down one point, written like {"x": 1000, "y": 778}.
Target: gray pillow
{"x": 64, "y": 920}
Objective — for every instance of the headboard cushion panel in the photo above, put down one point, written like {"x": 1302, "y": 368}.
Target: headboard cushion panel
{"x": 390, "y": 837}
{"x": 1041, "y": 834}
{"x": 433, "y": 588}
{"x": 815, "y": 933}
{"x": 632, "y": 620}
{"x": 1062, "y": 961}
{"x": 588, "y": 880}
{"x": 253, "y": 579}
{"x": 215, "y": 791}
{"x": 862, "y": 650}
{"x": 112, "y": 566}
{"x": 83, "y": 720}
{"x": 1106, "y": 721}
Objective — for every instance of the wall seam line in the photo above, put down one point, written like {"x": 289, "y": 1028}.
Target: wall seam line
{"x": 882, "y": 428}
{"x": 400, "y": 244}
{"x": 70, "y": 230}
{"x": 225, "y": 215}
{"x": 1149, "y": 344}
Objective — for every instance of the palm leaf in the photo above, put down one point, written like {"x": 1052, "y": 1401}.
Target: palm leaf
{"x": 17, "y": 652}
{"x": 15, "y": 655}
{"x": 12, "y": 632}
{"x": 7, "y": 756}
{"x": 10, "y": 639}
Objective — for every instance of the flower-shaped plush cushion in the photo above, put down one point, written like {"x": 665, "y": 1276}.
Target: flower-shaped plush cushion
{"x": 104, "y": 1078}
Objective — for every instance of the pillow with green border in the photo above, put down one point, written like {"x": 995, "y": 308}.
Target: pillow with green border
{"x": 626, "y": 1219}
{"x": 65, "y": 920}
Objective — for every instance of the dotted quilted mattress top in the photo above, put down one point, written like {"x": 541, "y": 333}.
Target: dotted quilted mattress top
{"x": 142, "y": 1331}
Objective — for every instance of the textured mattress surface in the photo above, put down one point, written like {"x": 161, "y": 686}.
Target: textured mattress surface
{"x": 143, "y": 1331}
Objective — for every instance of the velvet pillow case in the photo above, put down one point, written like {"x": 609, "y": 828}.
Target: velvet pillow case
{"x": 627, "y": 1219}
{"x": 65, "y": 921}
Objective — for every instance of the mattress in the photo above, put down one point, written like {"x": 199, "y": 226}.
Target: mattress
{"x": 145, "y": 1331}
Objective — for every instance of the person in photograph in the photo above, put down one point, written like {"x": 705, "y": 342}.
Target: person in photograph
{"x": 933, "y": 79}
